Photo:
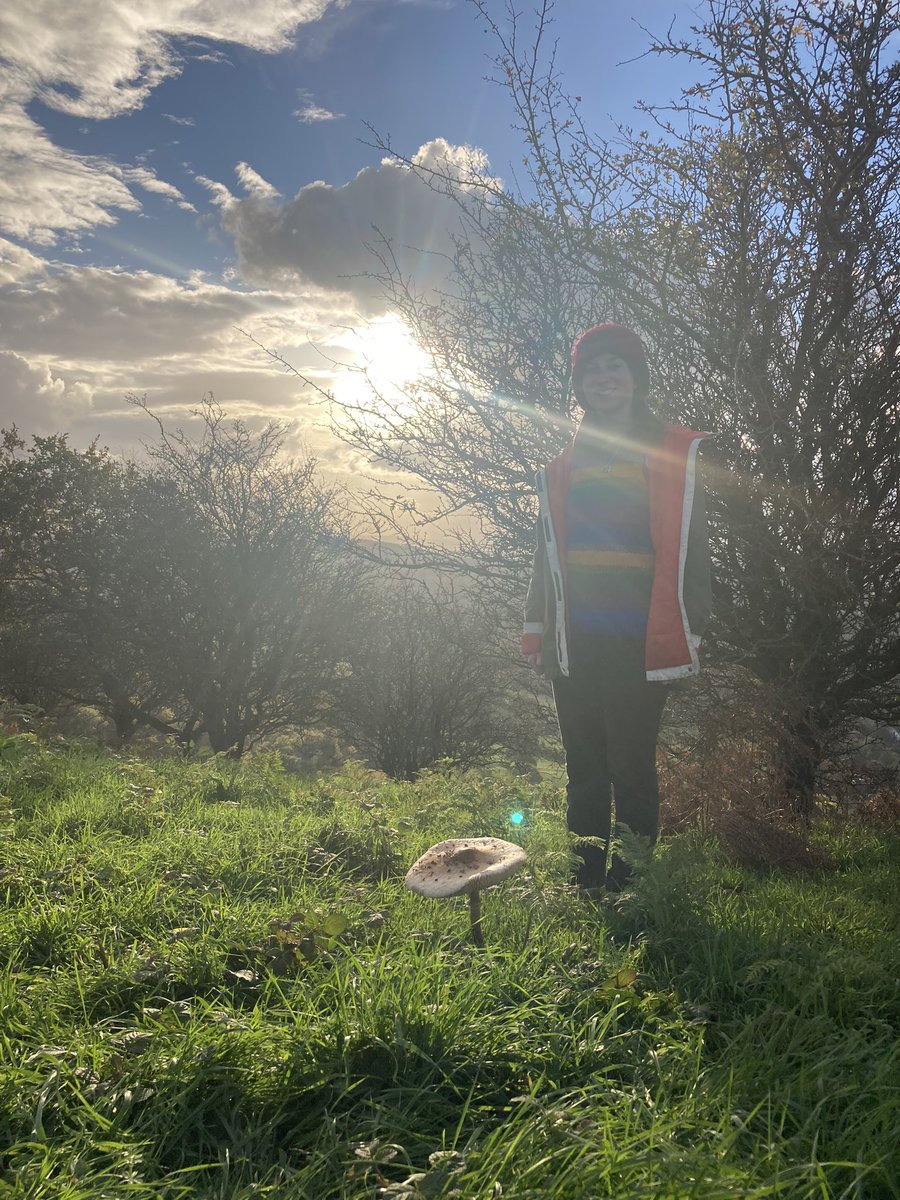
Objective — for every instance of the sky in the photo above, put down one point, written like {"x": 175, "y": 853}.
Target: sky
{"x": 176, "y": 175}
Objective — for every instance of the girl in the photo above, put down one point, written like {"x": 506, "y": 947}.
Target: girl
{"x": 620, "y": 591}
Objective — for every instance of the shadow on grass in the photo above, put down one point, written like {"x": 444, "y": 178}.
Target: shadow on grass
{"x": 794, "y": 979}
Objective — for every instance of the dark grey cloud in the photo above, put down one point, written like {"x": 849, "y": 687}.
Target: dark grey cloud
{"x": 326, "y": 235}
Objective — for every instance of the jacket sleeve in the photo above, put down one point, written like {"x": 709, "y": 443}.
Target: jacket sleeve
{"x": 536, "y": 600}
{"x": 697, "y": 574}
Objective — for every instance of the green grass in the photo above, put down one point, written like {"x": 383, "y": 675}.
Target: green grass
{"x": 214, "y": 985}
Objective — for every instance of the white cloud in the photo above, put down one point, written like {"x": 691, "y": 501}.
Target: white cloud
{"x": 460, "y": 164}
{"x": 18, "y": 263}
{"x": 87, "y": 314}
{"x": 309, "y": 112}
{"x": 44, "y": 189}
{"x": 323, "y": 236}
{"x": 221, "y": 196}
{"x": 147, "y": 179}
{"x": 74, "y": 341}
{"x": 36, "y": 400}
{"x": 254, "y": 184}
{"x": 99, "y": 59}
{"x": 179, "y": 120}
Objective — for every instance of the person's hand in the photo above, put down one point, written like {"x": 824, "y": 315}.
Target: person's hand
{"x": 536, "y": 662}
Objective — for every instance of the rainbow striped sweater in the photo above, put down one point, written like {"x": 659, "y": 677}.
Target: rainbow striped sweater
{"x": 609, "y": 552}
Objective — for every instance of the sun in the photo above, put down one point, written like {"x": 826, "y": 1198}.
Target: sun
{"x": 387, "y": 361}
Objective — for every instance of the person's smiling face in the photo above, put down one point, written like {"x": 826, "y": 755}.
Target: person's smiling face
{"x": 606, "y": 387}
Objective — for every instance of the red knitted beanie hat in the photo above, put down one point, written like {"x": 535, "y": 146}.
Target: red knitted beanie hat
{"x": 610, "y": 338}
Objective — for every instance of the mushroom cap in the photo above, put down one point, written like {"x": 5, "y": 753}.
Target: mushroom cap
{"x": 461, "y": 865}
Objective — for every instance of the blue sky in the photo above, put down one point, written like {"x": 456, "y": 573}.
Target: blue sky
{"x": 158, "y": 160}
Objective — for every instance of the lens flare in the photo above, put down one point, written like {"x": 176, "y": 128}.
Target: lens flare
{"x": 516, "y": 818}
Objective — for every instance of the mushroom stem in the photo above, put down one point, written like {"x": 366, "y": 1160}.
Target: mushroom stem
{"x": 475, "y": 915}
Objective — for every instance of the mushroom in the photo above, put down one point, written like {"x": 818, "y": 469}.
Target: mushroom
{"x": 461, "y": 866}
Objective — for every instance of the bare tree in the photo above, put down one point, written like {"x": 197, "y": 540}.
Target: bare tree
{"x": 750, "y": 233}
{"x": 258, "y": 587}
{"x": 425, "y": 680}
{"x": 65, "y": 632}
{"x": 204, "y": 591}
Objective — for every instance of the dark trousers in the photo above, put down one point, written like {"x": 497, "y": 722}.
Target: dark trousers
{"x": 609, "y": 718}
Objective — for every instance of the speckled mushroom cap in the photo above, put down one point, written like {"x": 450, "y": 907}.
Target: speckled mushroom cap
{"x": 463, "y": 865}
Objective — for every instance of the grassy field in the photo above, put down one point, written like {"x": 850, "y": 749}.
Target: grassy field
{"x": 215, "y": 985}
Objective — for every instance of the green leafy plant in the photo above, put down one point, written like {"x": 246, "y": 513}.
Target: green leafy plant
{"x": 292, "y": 944}
{"x": 14, "y": 747}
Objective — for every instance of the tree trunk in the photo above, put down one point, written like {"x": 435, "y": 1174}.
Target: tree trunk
{"x": 123, "y": 715}
{"x": 799, "y": 756}
{"x": 214, "y": 725}
{"x": 227, "y": 735}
